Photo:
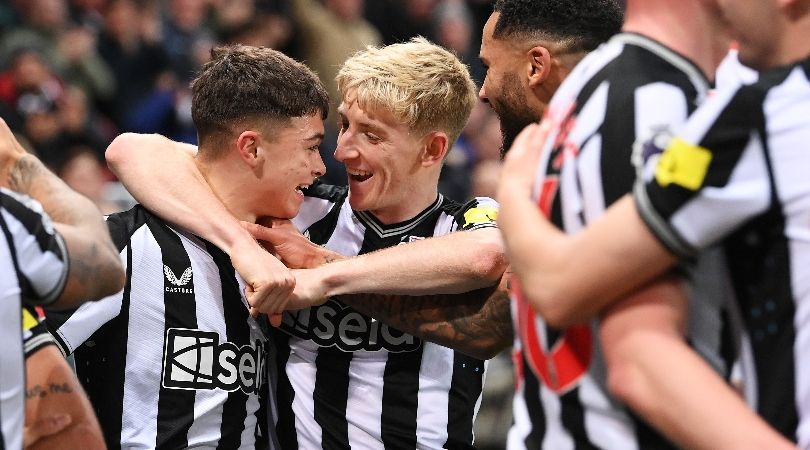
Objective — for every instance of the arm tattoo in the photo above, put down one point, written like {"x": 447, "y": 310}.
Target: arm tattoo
{"x": 477, "y": 323}
{"x": 29, "y": 174}
{"x": 40, "y": 391}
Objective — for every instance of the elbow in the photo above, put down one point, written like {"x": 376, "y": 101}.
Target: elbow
{"x": 490, "y": 262}
{"x": 119, "y": 149}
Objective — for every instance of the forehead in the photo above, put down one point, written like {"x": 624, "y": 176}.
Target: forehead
{"x": 376, "y": 116}
{"x": 299, "y": 128}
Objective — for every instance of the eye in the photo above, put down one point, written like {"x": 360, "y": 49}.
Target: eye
{"x": 315, "y": 148}
{"x": 343, "y": 124}
{"x": 373, "y": 138}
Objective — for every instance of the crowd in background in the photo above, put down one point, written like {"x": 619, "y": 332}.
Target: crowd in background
{"x": 76, "y": 73}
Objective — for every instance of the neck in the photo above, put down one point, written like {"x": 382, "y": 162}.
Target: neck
{"x": 411, "y": 203}
{"x": 793, "y": 45}
{"x": 682, "y": 29}
{"x": 229, "y": 189}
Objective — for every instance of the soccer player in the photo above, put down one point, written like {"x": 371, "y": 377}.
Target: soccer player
{"x": 346, "y": 379}
{"x": 175, "y": 360}
{"x": 729, "y": 175}
{"x": 56, "y": 259}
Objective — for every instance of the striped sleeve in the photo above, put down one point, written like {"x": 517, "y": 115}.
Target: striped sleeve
{"x": 478, "y": 213}
{"x": 711, "y": 177}
{"x": 72, "y": 328}
{"x": 38, "y": 250}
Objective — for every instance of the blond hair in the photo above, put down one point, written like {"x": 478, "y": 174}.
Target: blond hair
{"x": 420, "y": 83}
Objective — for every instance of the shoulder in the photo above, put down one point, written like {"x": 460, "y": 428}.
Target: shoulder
{"x": 479, "y": 212}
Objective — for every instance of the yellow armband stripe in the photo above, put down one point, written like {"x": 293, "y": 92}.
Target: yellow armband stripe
{"x": 28, "y": 320}
{"x": 684, "y": 164}
{"x": 480, "y": 214}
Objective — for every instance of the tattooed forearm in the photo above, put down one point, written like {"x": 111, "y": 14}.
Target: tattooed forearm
{"x": 477, "y": 323}
{"x": 40, "y": 391}
{"x": 29, "y": 176}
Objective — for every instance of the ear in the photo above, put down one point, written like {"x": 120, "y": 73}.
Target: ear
{"x": 539, "y": 67}
{"x": 247, "y": 145}
{"x": 436, "y": 147}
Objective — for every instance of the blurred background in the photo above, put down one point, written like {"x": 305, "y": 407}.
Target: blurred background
{"x": 76, "y": 73}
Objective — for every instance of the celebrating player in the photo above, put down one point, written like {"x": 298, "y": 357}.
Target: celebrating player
{"x": 722, "y": 176}
{"x": 175, "y": 360}
{"x": 56, "y": 252}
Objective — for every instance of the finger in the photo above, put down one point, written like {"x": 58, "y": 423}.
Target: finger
{"x": 45, "y": 427}
{"x": 275, "y": 319}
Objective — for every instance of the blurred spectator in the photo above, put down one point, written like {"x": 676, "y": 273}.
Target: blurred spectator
{"x": 185, "y": 37}
{"x": 68, "y": 48}
{"x": 400, "y": 20}
{"x": 83, "y": 172}
{"x": 135, "y": 58}
{"x": 329, "y": 33}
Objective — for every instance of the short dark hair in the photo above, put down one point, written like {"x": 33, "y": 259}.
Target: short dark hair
{"x": 585, "y": 23}
{"x": 243, "y": 84}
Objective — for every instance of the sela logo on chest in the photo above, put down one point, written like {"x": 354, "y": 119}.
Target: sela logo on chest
{"x": 194, "y": 359}
{"x": 336, "y": 325}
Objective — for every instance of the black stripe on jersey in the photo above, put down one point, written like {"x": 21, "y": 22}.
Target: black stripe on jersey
{"x": 759, "y": 259}
{"x": 400, "y": 400}
{"x": 572, "y": 416}
{"x": 534, "y": 409}
{"x": 322, "y": 230}
{"x": 647, "y": 437}
{"x": 236, "y": 314}
{"x": 468, "y": 378}
{"x": 107, "y": 394}
{"x": 175, "y": 406}
{"x": 285, "y": 427}
{"x": 32, "y": 221}
{"x": 331, "y": 396}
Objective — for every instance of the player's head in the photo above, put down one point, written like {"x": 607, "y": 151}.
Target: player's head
{"x": 529, "y": 46}
{"x": 264, "y": 112}
{"x": 403, "y": 106}
{"x": 769, "y": 33}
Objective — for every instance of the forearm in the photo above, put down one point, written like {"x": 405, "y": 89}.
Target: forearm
{"x": 654, "y": 371}
{"x": 477, "y": 323}
{"x": 53, "y": 389}
{"x": 569, "y": 278}
{"x": 162, "y": 176}
{"x": 95, "y": 268}
{"x": 455, "y": 263}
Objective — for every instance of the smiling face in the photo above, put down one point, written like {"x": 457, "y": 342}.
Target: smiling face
{"x": 291, "y": 160}
{"x": 502, "y": 88}
{"x": 382, "y": 159}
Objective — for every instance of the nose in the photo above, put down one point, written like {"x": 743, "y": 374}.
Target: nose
{"x": 482, "y": 93}
{"x": 320, "y": 167}
{"x": 345, "y": 149}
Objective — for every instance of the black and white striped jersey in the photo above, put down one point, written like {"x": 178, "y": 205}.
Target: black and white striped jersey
{"x": 173, "y": 360}
{"x": 630, "y": 88}
{"x": 350, "y": 381}
{"x": 737, "y": 173}
{"x": 33, "y": 269}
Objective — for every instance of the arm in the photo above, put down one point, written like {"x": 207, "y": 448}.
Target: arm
{"x": 618, "y": 250}
{"x": 450, "y": 264}
{"x": 53, "y": 392}
{"x": 161, "y": 174}
{"x": 94, "y": 266}
{"x": 653, "y": 370}
{"x": 477, "y": 323}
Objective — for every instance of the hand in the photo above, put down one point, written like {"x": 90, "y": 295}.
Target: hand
{"x": 44, "y": 427}
{"x": 290, "y": 246}
{"x": 520, "y": 164}
{"x": 310, "y": 289}
{"x": 269, "y": 283}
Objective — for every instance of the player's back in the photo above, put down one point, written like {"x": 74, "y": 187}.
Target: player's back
{"x": 629, "y": 89}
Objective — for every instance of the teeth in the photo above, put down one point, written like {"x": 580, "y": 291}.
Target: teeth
{"x": 359, "y": 173}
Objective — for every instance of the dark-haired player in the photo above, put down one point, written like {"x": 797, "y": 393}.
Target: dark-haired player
{"x": 175, "y": 360}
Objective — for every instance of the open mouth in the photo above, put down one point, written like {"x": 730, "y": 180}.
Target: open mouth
{"x": 359, "y": 175}
{"x": 300, "y": 188}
